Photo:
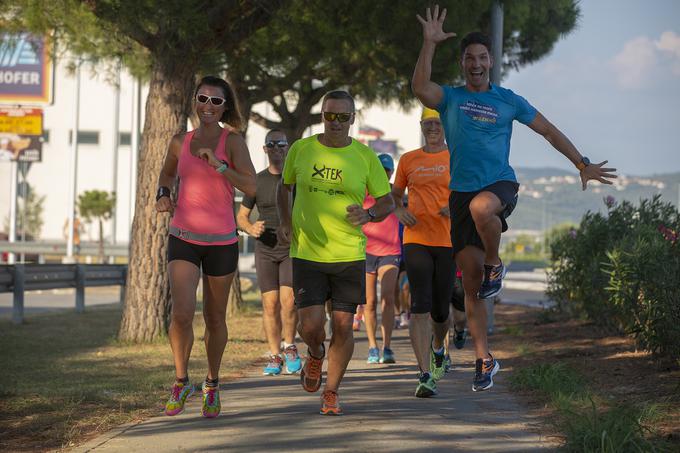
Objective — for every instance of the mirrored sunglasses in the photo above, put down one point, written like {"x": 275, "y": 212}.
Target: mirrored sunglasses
{"x": 214, "y": 100}
{"x": 332, "y": 116}
{"x": 277, "y": 143}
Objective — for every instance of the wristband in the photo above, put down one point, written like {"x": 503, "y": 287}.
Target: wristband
{"x": 371, "y": 214}
{"x": 162, "y": 192}
{"x": 222, "y": 168}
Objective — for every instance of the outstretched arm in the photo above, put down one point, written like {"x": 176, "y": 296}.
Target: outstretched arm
{"x": 561, "y": 143}
{"x": 429, "y": 93}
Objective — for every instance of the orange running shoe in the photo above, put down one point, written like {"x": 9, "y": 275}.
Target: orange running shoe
{"x": 330, "y": 404}
{"x": 310, "y": 376}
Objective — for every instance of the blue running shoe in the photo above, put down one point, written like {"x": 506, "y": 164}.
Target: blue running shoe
{"x": 274, "y": 366}
{"x": 484, "y": 373}
{"x": 388, "y": 356}
{"x": 292, "y": 359}
{"x": 458, "y": 338}
{"x": 493, "y": 281}
{"x": 447, "y": 363}
{"x": 373, "y": 355}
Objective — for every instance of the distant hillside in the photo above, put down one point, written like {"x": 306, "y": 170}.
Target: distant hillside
{"x": 549, "y": 196}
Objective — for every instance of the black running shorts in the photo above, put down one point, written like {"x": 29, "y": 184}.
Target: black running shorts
{"x": 213, "y": 260}
{"x": 343, "y": 283}
{"x": 463, "y": 230}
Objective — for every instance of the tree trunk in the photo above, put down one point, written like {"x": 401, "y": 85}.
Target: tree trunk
{"x": 235, "y": 301}
{"x": 147, "y": 296}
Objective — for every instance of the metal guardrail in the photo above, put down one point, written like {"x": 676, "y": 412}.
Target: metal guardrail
{"x": 18, "y": 278}
{"x": 59, "y": 248}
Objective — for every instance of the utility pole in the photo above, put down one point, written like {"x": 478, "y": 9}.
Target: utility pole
{"x": 73, "y": 166}
{"x": 496, "y": 41}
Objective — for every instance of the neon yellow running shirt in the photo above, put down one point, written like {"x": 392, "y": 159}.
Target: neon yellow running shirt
{"x": 327, "y": 181}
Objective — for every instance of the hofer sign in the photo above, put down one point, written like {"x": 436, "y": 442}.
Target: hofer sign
{"x": 25, "y": 70}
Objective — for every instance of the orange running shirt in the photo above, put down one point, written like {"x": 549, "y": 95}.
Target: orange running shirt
{"x": 426, "y": 176}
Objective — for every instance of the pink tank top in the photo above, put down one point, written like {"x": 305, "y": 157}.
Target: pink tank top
{"x": 205, "y": 204}
{"x": 382, "y": 238}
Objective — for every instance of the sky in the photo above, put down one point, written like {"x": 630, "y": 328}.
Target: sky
{"x": 612, "y": 86}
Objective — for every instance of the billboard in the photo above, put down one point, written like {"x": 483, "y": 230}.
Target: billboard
{"x": 26, "y": 71}
{"x": 21, "y": 135}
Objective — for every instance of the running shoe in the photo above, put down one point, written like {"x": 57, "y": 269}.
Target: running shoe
{"x": 310, "y": 376}
{"x": 179, "y": 395}
{"x": 330, "y": 404}
{"x": 447, "y": 363}
{"x": 493, "y": 281}
{"x": 387, "y": 356}
{"x": 373, "y": 355}
{"x": 211, "y": 401}
{"x": 292, "y": 358}
{"x": 273, "y": 367}
{"x": 484, "y": 373}
{"x": 403, "y": 320}
{"x": 427, "y": 386}
{"x": 458, "y": 338}
{"x": 437, "y": 364}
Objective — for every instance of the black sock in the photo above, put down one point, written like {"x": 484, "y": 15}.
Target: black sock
{"x": 184, "y": 380}
{"x": 210, "y": 383}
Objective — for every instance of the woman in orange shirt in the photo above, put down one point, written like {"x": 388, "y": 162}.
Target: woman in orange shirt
{"x": 427, "y": 248}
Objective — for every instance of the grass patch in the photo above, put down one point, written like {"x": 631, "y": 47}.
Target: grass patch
{"x": 589, "y": 425}
{"x": 524, "y": 349}
{"x": 66, "y": 377}
{"x": 515, "y": 331}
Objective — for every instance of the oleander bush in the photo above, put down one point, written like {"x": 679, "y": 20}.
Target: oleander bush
{"x": 622, "y": 270}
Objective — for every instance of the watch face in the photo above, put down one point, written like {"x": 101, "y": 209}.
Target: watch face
{"x": 585, "y": 160}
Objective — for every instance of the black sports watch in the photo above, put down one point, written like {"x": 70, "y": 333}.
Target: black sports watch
{"x": 163, "y": 191}
{"x": 371, "y": 214}
{"x": 583, "y": 164}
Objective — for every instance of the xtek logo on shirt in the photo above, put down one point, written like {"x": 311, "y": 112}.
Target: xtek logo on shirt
{"x": 326, "y": 174}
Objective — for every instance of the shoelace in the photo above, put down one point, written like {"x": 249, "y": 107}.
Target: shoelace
{"x": 210, "y": 396}
{"x": 274, "y": 361}
{"x": 176, "y": 390}
{"x": 315, "y": 366}
{"x": 330, "y": 398}
{"x": 291, "y": 353}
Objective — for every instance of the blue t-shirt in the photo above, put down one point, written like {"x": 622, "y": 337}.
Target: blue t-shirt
{"x": 478, "y": 127}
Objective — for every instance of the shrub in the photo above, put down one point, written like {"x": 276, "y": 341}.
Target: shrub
{"x": 622, "y": 270}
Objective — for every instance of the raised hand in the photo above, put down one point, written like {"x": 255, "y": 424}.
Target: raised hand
{"x": 433, "y": 25}
{"x": 596, "y": 172}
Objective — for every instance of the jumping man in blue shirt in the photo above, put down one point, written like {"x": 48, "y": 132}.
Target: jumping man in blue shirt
{"x": 477, "y": 120}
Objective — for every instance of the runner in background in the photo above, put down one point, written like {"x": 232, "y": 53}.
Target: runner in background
{"x": 383, "y": 254}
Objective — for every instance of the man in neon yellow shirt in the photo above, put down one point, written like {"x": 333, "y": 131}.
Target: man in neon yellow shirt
{"x": 332, "y": 173}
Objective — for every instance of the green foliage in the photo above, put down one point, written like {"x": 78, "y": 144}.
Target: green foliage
{"x": 96, "y": 205}
{"x": 370, "y": 48}
{"x": 29, "y": 214}
{"x": 622, "y": 270}
{"x": 586, "y": 425}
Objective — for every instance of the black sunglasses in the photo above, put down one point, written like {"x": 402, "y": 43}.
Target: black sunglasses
{"x": 278, "y": 143}
{"x": 214, "y": 100}
{"x": 332, "y": 116}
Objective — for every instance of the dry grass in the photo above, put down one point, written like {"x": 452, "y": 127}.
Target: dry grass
{"x": 65, "y": 378}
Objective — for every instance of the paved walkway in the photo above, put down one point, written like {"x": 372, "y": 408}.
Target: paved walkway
{"x": 274, "y": 414}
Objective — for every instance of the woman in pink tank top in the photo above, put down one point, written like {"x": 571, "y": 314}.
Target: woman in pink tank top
{"x": 209, "y": 163}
